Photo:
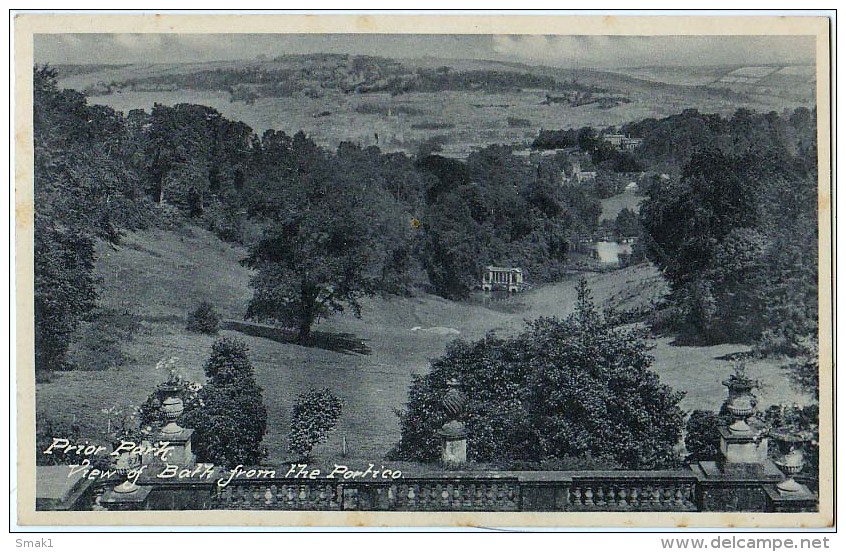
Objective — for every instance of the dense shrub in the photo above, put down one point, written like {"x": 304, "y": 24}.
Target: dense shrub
{"x": 204, "y": 319}
{"x": 562, "y": 389}
{"x": 314, "y": 415}
{"x": 702, "y": 435}
{"x": 229, "y": 417}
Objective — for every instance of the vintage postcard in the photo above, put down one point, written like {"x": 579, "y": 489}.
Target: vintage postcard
{"x": 423, "y": 270}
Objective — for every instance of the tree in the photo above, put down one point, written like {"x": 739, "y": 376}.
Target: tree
{"x": 314, "y": 415}
{"x": 450, "y": 251}
{"x": 573, "y": 388}
{"x": 450, "y": 174}
{"x": 229, "y": 417}
{"x": 626, "y": 224}
{"x": 317, "y": 255}
{"x": 83, "y": 190}
{"x": 737, "y": 240}
{"x": 64, "y": 291}
{"x": 204, "y": 319}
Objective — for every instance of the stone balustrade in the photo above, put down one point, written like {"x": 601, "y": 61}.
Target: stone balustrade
{"x": 684, "y": 490}
{"x": 634, "y": 493}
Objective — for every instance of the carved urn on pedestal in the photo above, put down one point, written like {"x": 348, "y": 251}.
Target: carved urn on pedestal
{"x": 126, "y": 464}
{"x": 744, "y": 441}
{"x": 453, "y": 433}
{"x": 791, "y": 457}
{"x": 172, "y": 407}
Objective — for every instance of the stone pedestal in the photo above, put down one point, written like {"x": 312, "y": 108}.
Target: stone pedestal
{"x": 734, "y": 487}
{"x": 135, "y": 500}
{"x": 453, "y": 443}
{"x": 180, "y": 454}
{"x": 742, "y": 445}
{"x": 797, "y": 499}
{"x": 454, "y": 451}
{"x": 57, "y": 489}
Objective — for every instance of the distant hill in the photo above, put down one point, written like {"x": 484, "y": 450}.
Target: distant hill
{"x": 372, "y": 74}
{"x": 400, "y": 104}
{"x": 789, "y": 82}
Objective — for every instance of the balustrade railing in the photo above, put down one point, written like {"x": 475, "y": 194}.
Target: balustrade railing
{"x": 633, "y": 492}
{"x": 607, "y": 491}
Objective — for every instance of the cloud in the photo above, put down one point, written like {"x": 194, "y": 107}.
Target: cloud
{"x": 135, "y": 42}
{"x": 563, "y": 51}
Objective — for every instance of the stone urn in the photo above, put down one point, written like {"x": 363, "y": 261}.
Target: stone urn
{"x": 741, "y": 407}
{"x": 453, "y": 433}
{"x": 743, "y": 440}
{"x": 172, "y": 407}
{"x": 454, "y": 400}
{"x": 741, "y": 401}
{"x": 790, "y": 458}
{"x": 126, "y": 463}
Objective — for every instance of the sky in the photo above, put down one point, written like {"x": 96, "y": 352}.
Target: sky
{"x": 559, "y": 51}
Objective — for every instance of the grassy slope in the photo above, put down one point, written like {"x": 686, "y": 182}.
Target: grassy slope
{"x": 161, "y": 276}
{"x": 612, "y": 206}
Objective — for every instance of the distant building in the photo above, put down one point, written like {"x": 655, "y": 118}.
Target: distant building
{"x": 508, "y": 279}
{"x": 583, "y": 176}
{"x": 615, "y": 140}
{"x": 632, "y": 187}
{"x": 578, "y": 174}
{"x": 629, "y": 144}
{"x": 622, "y": 142}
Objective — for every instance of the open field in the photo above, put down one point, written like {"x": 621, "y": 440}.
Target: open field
{"x": 612, "y": 206}
{"x": 160, "y": 276}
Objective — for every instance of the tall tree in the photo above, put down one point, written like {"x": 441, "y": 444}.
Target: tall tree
{"x": 737, "y": 240}
{"x": 317, "y": 255}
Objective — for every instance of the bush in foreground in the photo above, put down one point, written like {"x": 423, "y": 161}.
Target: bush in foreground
{"x": 315, "y": 414}
{"x": 574, "y": 388}
{"x": 702, "y": 435}
{"x": 227, "y": 414}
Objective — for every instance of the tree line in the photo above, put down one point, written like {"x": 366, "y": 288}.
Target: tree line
{"x": 313, "y": 75}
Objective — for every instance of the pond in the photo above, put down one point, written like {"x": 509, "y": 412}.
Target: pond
{"x": 500, "y": 301}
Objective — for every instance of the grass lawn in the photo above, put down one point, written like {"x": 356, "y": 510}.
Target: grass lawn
{"x": 161, "y": 276}
{"x": 612, "y": 206}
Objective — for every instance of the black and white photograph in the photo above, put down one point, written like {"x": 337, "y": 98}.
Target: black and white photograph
{"x": 558, "y": 271}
